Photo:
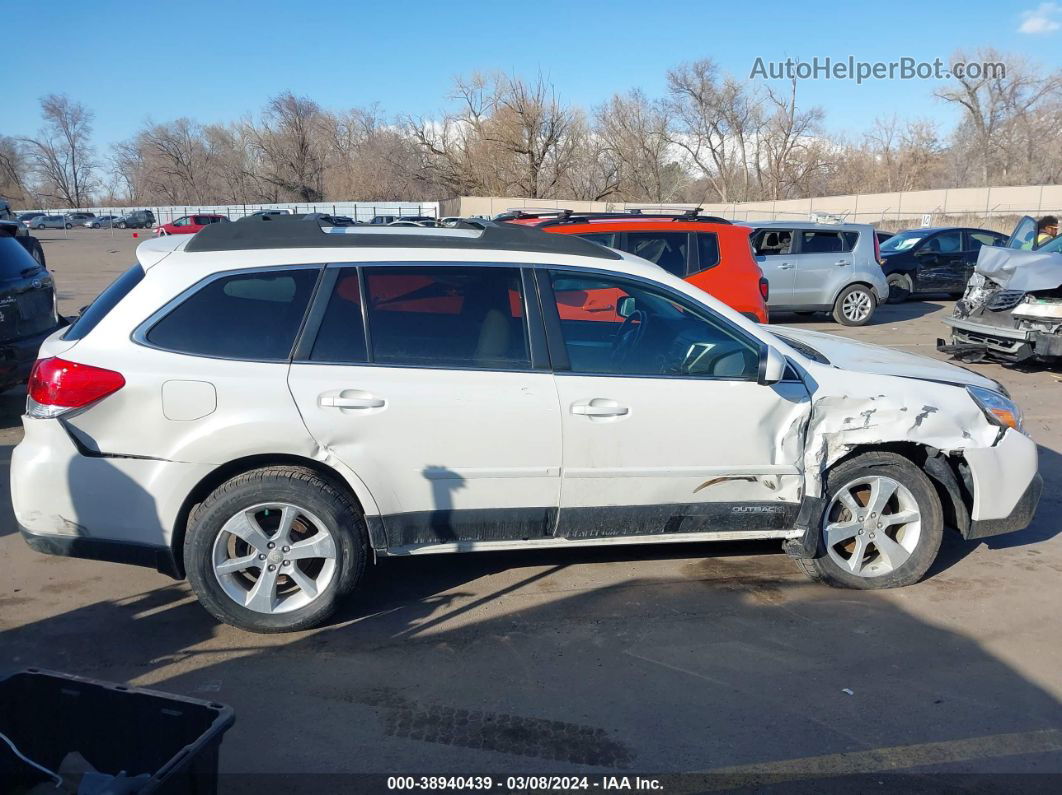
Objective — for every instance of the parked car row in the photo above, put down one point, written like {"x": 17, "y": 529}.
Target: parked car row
{"x": 236, "y": 412}
{"x": 138, "y": 219}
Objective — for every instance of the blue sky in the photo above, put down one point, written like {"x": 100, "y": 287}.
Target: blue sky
{"x": 167, "y": 61}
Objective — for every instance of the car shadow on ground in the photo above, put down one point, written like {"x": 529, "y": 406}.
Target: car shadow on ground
{"x": 719, "y": 661}
{"x": 886, "y": 313}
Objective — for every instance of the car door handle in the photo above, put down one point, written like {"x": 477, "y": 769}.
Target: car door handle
{"x": 784, "y": 266}
{"x": 841, "y": 262}
{"x": 359, "y": 400}
{"x": 600, "y": 407}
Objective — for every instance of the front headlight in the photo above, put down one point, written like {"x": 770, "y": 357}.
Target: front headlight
{"x": 1000, "y": 410}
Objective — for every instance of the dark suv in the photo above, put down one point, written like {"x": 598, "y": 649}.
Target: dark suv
{"x": 27, "y": 307}
{"x": 139, "y": 219}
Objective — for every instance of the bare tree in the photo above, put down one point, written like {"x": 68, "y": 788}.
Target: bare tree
{"x": 290, "y": 142}
{"x": 61, "y": 155}
{"x": 997, "y": 104}
{"x": 636, "y": 136}
{"x": 12, "y": 170}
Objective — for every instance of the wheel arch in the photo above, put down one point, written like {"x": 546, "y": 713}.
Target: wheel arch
{"x": 948, "y": 474}
{"x": 339, "y": 477}
{"x": 853, "y": 283}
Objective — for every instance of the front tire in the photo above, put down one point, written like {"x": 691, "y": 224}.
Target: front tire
{"x": 882, "y": 527}
{"x": 68, "y": 226}
{"x": 275, "y": 549}
{"x": 899, "y": 288}
{"x": 855, "y": 305}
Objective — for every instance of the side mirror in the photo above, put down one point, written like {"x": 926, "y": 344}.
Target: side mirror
{"x": 772, "y": 366}
{"x": 625, "y": 306}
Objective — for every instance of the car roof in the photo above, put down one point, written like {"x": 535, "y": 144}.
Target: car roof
{"x": 280, "y": 245}
{"x": 807, "y": 225}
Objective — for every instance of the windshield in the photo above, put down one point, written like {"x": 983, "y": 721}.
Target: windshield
{"x": 903, "y": 241}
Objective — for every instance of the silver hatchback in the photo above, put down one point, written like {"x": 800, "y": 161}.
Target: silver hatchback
{"x": 821, "y": 268}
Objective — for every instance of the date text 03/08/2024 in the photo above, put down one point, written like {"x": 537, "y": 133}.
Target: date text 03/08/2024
{"x": 523, "y": 783}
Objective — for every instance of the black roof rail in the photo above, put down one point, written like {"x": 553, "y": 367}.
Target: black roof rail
{"x": 688, "y": 215}
{"x": 514, "y": 214}
{"x": 265, "y": 232}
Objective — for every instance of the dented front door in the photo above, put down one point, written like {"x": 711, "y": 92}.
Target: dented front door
{"x": 697, "y": 446}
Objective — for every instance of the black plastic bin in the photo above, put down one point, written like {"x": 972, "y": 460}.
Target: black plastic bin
{"x": 115, "y": 727}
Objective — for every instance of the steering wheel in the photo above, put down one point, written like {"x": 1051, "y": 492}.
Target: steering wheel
{"x": 629, "y": 334}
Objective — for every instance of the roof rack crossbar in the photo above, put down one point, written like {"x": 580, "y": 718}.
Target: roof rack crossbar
{"x": 688, "y": 215}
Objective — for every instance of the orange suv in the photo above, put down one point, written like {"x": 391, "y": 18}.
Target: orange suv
{"x": 709, "y": 252}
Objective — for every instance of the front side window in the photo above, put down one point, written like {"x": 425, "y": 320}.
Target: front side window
{"x": 427, "y": 316}
{"x": 252, "y": 316}
{"x": 182, "y": 221}
{"x": 772, "y": 242}
{"x": 944, "y": 243}
{"x": 666, "y": 249}
{"x": 648, "y": 333}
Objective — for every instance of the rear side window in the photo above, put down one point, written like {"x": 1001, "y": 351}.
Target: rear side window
{"x": 849, "y": 239}
{"x": 666, "y": 249}
{"x": 815, "y": 242}
{"x": 978, "y": 239}
{"x": 707, "y": 250}
{"x": 104, "y": 303}
{"x": 251, "y": 316}
{"x": 447, "y": 317}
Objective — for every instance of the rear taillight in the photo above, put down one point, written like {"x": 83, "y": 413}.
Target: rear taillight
{"x": 877, "y": 250}
{"x": 57, "y": 386}
{"x": 765, "y": 288}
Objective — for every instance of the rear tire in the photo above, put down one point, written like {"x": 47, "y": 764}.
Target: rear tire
{"x": 907, "y": 548}
{"x": 855, "y": 305}
{"x": 899, "y": 288}
{"x": 275, "y": 549}
{"x": 68, "y": 226}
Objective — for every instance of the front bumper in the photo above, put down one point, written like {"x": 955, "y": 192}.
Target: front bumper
{"x": 1013, "y": 344}
{"x": 1006, "y": 485}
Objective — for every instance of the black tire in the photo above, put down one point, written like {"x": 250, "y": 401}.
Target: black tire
{"x": 68, "y": 226}
{"x": 300, "y": 487}
{"x": 839, "y": 305}
{"x": 95, "y": 226}
{"x": 899, "y": 288}
{"x": 824, "y": 568}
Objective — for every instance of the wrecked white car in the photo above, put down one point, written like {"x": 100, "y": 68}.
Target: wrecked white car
{"x": 1012, "y": 308}
{"x": 266, "y": 407}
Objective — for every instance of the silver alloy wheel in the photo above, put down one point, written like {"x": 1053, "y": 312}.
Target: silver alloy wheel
{"x": 856, "y": 306}
{"x": 872, "y": 526}
{"x": 274, "y": 557}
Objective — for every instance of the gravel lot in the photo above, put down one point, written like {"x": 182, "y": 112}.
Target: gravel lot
{"x": 655, "y": 660}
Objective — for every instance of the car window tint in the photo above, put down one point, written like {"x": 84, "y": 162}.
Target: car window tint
{"x": 707, "y": 250}
{"x": 771, "y": 242}
{"x": 614, "y": 327}
{"x": 341, "y": 337}
{"x": 978, "y": 239}
{"x": 601, "y": 238}
{"x": 447, "y": 317}
{"x": 104, "y": 303}
{"x": 848, "y": 241}
{"x": 813, "y": 241}
{"x": 945, "y": 242}
{"x": 666, "y": 249}
{"x": 245, "y": 316}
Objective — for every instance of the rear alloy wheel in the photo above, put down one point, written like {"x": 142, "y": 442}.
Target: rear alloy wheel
{"x": 899, "y": 288}
{"x": 855, "y": 305}
{"x": 274, "y": 550}
{"x": 882, "y": 527}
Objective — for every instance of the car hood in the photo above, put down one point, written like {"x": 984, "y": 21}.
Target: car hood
{"x": 1018, "y": 269}
{"x": 847, "y": 354}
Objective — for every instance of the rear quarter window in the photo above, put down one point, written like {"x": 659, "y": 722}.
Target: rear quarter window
{"x": 251, "y": 316}
{"x": 104, "y": 303}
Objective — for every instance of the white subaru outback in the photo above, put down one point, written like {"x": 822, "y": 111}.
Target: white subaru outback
{"x": 266, "y": 405}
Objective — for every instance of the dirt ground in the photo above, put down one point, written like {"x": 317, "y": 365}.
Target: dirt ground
{"x": 660, "y": 660}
